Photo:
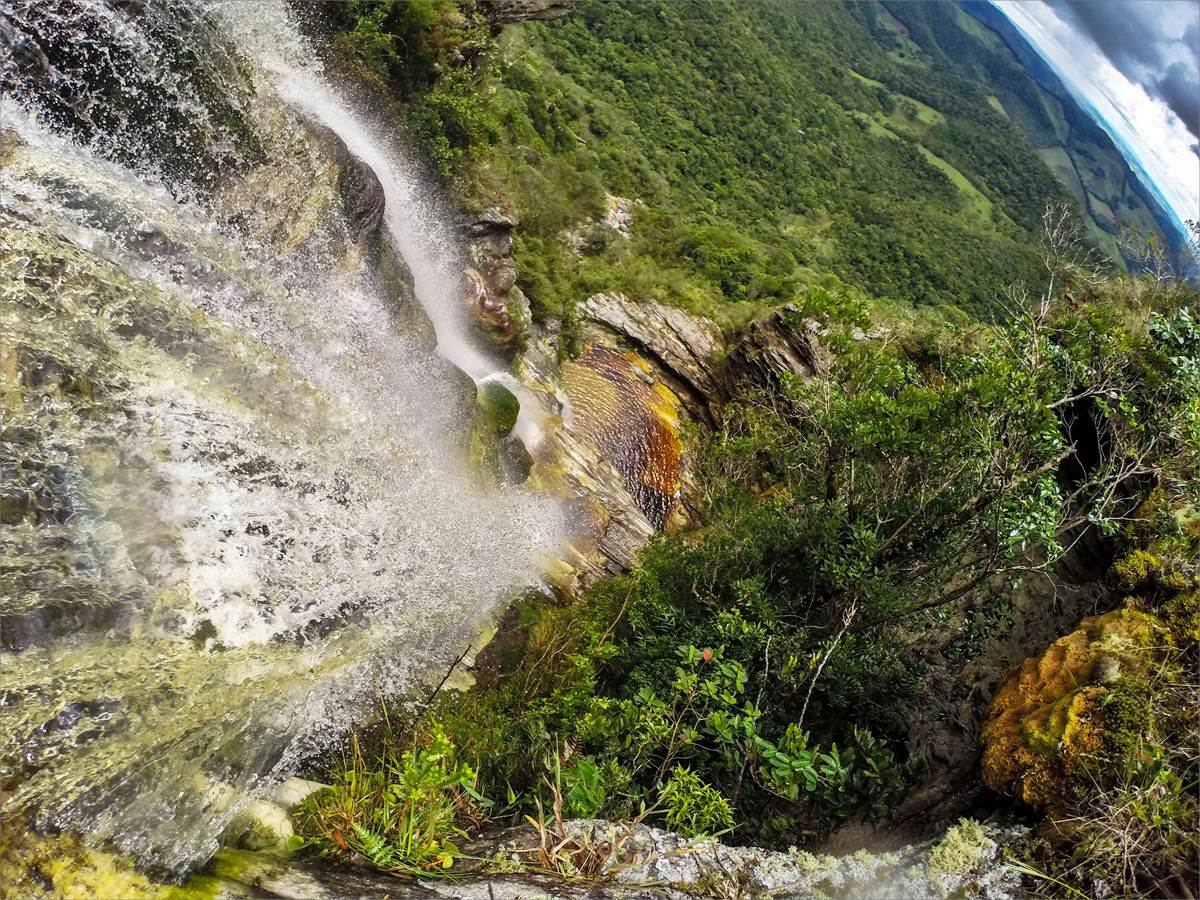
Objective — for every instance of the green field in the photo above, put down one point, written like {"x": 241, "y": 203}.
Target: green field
{"x": 1070, "y": 143}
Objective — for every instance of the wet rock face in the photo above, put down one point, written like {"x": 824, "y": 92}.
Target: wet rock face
{"x": 361, "y": 193}
{"x": 643, "y": 370}
{"x": 605, "y": 525}
{"x": 314, "y": 199}
{"x": 505, "y": 12}
{"x": 170, "y": 93}
{"x": 683, "y": 348}
{"x": 633, "y": 419}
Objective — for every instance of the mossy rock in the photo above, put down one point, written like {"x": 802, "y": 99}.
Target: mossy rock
{"x": 499, "y": 406}
{"x": 495, "y": 415}
{"x": 1166, "y": 584}
{"x": 964, "y": 848}
{"x": 1047, "y": 722}
{"x": 61, "y": 867}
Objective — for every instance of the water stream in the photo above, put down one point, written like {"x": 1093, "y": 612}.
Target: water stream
{"x": 232, "y": 506}
{"x": 414, "y": 218}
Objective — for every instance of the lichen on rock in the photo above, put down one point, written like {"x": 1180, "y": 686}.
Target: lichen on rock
{"x": 1047, "y": 721}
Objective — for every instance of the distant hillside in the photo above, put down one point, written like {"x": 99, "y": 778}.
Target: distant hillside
{"x": 894, "y": 152}
{"x": 773, "y": 144}
{"x": 976, "y": 41}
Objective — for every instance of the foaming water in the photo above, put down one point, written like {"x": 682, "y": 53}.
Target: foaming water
{"x": 232, "y": 503}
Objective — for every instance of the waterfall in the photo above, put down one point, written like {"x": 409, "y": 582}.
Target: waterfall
{"x": 232, "y": 507}
{"x": 267, "y": 31}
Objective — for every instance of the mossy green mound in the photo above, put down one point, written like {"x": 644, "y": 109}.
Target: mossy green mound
{"x": 499, "y": 406}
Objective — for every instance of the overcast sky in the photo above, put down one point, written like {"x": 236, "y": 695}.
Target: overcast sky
{"x": 1137, "y": 63}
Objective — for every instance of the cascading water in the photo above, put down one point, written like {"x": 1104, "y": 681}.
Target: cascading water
{"x": 267, "y": 30}
{"x": 231, "y": 506}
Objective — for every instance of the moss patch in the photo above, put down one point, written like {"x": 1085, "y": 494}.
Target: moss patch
{"x": 1046, "y": 723}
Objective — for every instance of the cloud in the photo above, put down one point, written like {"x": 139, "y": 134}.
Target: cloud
{"x": 1180, "y": 88}
{"x": 1144, "y": 115}
{"x": 1155, "y": 44}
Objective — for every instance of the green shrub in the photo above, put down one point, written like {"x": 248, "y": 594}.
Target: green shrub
{"x": 585, "y": 794}
{"x": 692, "y": 807}
{"x": 400, "y": 811}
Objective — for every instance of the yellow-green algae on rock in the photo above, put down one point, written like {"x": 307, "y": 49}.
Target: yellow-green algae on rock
{"x": 62, "y": 867}
{"x": 1046, "y": 719}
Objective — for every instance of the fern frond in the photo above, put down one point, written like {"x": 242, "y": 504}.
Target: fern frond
{"x": 374, "y": 847}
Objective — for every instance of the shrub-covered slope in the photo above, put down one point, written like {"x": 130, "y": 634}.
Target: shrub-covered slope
{"x": 766, "y": 154}
{"x": 770, "y": 146}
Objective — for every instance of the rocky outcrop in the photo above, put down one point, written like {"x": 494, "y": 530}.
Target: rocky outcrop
{"x": 608, "y": 528}
{"x": 506, "y": 12}
{"x": 617, "y": 409}
{"x": 593, "y": 235}
{"x": 599, "y": 859}
{"x": 783, "y": 343}
{"x": 499, "y": 308}
{"x": 685, "y": 350}
{"x": 643, "y": 369}
{"x": 310, "y": 195}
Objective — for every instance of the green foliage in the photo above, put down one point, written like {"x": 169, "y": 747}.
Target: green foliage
{"x": 734, "y": 121}
{"x": 974, "y": 63}
{"x": 693, "y": 807}
{"x": 400, "y": 810}
{"x": 736, "y": 265}
{"x": 842, "y": 308}
{"x": 585, "y": 794}
{"x": 406, "y": 44}
{"x": 451, "y": 120}
{"x": 420, "y": 50}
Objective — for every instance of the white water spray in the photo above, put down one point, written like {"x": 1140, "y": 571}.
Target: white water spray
{"x": 414, "y": 218}
{"x": 233, "y": 509}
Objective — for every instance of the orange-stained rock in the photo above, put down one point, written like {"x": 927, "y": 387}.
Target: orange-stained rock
{"x": 633, "y": 419}
{"x": 1045, "y": 722}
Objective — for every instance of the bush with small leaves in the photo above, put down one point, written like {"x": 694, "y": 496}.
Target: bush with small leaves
{"x": 693, "y": 807}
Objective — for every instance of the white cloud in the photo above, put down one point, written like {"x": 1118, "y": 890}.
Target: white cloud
{"x": 1141, "y": 124}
